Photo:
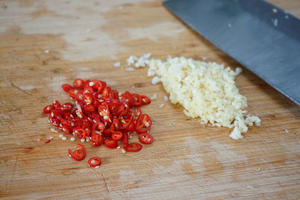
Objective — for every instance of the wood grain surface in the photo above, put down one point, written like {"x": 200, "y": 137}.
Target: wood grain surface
{"x": 46, "y": 43}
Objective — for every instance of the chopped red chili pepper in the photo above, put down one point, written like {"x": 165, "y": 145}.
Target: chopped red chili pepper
{"x": 97, "y": 139}
{"x": 87, "y": 132}
{"x": 137, "y": 112}
{"x": 126, "y": 97}
{"x": 87, "y": 83}
{"x": 66, "y": 87}
{"x": 79, "y": 96}
{"x": 88, "y": 98}
{"x": 106, "y": 91}
{"x": 67, "y": 107}
{"x": 102, "y": 115}
{"x": 137, "y": 100}
{"x": 131, "y": 127}
{"x": 78, "y": 83}
{"x": 56, "y": 105}
{"x": 67, "y": 129}
{"x": 143, "y": 123}
{"x": 146, "y": 138}
{"x": 89, "y": 108}
{"x": 80, "y": 132}
{"x": 116, "y": 125}
{"x": 116, "y": 135}
{"x": 72, "y": 93}
{"x": 114, "y": 94}
{"x": 133, "y": 147}
{"x": 145, "y": 100}
{"x": 107, "y": 132}
{"x": 122, "y": 110}
{"x": 88, "y": 90}
{"x": 98, "y": 85}
{"x": 94, "y": 162}
{"x": 79, "y": 153}
{"x": 110, "y": 143}
{"x": 105, "y": 113}
{"x": 125, "y": 139}
{"x": 101, "y": 87}
{"x": 125, "y": 123}
{"x": 98, "y": 128}
{"x": 48, "y": 109}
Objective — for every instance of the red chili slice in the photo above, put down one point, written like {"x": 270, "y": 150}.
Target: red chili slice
{"x": 67, "y": 129}
{"x": 125, "y": 123}
{"x": 88, "y": 98}
{"x": 97, "y": 139}
{"x": 110, "y": 143}
{"x": 78, "y": 83}
{"x": 88, "y": 90}
{"x": 116, "y": 125}
{"x": 67, "y": 107}
{"x": 98, "y": 128}
{"x": 137, "y": 112}
{"x": 107, "y": 132}
{"x": 94, "y": 162}
{"x": 104, "y": 113}
{"x": 80, "y": 132}
{"x": 137, "y": 100}
{"x": 87, "y": 83}
{"x": 72, "y": 93}
{"x": 56, "y": 114}
{"x": 79, "y": 113}
{"x": 96, "y": 102}
{"x": 122, "y": 109}
{"x": 85, "y": 123}
{"x": 106, "y": 91}
{"x": 133, "y": 147}
{"x": 95, "y": 118}
{"x": 56, "y": 105}
{"x": 87, "y": 131}
{"x": 66, "y": 87}
{"x": 78, "y": 154}
{"x": 114, "y": 94}
{"x": 127, "y": 98}
{"x": 143, "y": 123}
{"x": 125, "y": 139}
{"x": 79, "y": 96}
{"x": 116, "y": 135}
{"x": 114, "y": 105}
{"x": 48, "y": 109}
{"x": 145, "y": 100}
{"x": 68, "y": 116}
{"x": 89, "y": 108}
{"x": 131, "y": 126}
{"x": 146, "y": 138}
{"x": 102, "y": 85}
{"x": 98, "y": 85}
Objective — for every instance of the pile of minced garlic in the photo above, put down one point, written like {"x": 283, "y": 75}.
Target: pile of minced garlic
{"x": 205, "y": 89}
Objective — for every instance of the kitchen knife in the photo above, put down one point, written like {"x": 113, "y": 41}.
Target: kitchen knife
{"x": 262, "y": 37}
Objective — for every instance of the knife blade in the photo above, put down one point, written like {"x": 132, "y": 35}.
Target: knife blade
{"x": 262, "y": 37}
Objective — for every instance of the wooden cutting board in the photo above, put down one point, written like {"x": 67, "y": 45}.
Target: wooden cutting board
{"x": 46, "y": 43}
